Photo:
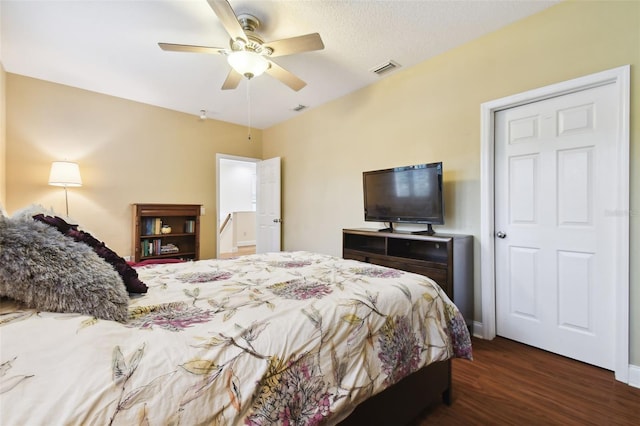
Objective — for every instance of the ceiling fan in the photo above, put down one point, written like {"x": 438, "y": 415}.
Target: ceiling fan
{"x": 248, "y": 54}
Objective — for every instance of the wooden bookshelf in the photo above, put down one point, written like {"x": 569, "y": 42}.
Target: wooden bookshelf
{"x": 151, "y": 242}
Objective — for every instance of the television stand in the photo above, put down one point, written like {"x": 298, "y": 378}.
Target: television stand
{"x": 428, "y": 231}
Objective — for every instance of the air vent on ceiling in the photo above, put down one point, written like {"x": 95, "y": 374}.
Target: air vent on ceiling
{"x": 385, "y": 68}
{"x": 299, "y": 108}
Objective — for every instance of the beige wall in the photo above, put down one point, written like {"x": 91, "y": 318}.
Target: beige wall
{"x": 128, "y": 153}
{"x": 3, "y": 136}
{"x": 431, "y": 112}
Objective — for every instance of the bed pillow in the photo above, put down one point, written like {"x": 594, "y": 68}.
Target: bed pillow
{"x": 29, "y": 211}
{"x": 47, "y": 271}
{"x": 128, "y": 274}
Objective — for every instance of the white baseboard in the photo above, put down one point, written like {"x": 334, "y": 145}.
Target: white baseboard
{"x": 246, "y": 243}
{"x": 634, "y": 376}
{"x": 477, "y": 330}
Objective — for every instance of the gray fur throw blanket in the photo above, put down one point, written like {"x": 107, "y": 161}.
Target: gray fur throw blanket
{"x": 47, "y": 271}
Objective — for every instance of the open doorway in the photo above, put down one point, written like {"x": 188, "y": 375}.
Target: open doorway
{"x": 236, "y": 202}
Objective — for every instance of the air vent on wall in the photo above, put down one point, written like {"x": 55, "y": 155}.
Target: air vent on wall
{"x": 385, "y": 68}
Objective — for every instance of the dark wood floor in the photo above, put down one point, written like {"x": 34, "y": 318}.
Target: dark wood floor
{"x": 509, "y": 383}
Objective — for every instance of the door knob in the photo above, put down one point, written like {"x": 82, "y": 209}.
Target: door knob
{"x": 501, "y": 235}
{"x": 277, "y": 220}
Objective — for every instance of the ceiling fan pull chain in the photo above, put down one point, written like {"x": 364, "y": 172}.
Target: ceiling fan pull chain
{"x": 249, "y": 110}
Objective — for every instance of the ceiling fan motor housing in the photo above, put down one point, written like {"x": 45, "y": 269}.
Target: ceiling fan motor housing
{"x": 254, "y": 43}
{"x": 248, "y": 22}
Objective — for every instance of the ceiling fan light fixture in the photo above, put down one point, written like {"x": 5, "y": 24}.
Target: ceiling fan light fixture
{"x": 248, "y": 63}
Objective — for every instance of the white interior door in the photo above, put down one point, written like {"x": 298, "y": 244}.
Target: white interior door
{"x": 269, "y": 223}
{"x": 554, "y": 247}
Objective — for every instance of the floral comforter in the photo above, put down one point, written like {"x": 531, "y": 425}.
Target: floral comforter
{"x": 281, "y": 338}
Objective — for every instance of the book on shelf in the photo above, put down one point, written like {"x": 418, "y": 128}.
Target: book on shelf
{"x": 151, "y": 225}
{"x": 190, "y": 226}
{"x": 150, "y": 247}
{"x": 169, "y": 248}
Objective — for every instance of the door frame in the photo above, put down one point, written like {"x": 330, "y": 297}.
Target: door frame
{"x": 620, "y": 77}
{"x": 218, "y": 158}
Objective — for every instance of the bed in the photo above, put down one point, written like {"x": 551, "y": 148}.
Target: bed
{"x": 292, "y": 338}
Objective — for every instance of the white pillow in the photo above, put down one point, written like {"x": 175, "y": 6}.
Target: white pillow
{"x": 32, "y": 210}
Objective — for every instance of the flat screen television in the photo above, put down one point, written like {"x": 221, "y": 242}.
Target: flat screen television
{"x": 409, "y": 194}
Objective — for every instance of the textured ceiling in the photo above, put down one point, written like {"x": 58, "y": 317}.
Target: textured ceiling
{"x": 111, "y": 47}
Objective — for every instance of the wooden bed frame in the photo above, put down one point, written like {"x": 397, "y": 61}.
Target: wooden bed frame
{"x": 404, "y": 401}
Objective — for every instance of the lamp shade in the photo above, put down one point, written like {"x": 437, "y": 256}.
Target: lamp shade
{"x": 248, "y": 63}
{"x": 65, "y": 173}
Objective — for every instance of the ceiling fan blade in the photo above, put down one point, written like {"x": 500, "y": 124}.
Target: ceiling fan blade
{"x": 289, "y": 46}
{"x": 232, "y": 80}
{"x": 189, "y": 48}
{"x": 227, "y": 16}
{"x": 285, "y": 76}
